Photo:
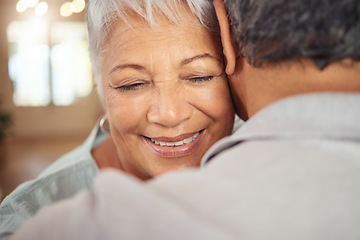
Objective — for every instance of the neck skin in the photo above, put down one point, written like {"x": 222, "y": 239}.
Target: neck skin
{"x": 254, "y": 88}
{"x": 106, "y": 156}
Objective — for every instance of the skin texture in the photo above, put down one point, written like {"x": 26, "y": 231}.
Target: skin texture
{"x": 165, "y": 83}
{"x": 254, "y": 88}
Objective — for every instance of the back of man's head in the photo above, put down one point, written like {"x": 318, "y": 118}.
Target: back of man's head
{"x": 276, "y": 30}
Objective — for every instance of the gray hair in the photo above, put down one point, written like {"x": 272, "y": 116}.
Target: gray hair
{"x": 275, "y": 30}
{"x": 101, "y": 14}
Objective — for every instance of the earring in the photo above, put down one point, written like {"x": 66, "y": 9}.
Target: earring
{"x": 104, "y": 125}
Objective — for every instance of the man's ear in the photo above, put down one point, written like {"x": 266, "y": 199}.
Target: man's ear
{"x": 229, "y": 48}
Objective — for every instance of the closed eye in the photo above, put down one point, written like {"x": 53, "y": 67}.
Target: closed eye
{"x": 201, "y": 79}
{"x": 131, "y": 87}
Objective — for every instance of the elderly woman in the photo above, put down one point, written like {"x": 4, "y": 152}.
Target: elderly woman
{"x": 162, "y": 83}
{"x": 160, "y": 75}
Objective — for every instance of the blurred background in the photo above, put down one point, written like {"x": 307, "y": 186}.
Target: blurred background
{"x": 48, "y": 103}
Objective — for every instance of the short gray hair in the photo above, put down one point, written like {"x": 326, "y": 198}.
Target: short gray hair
{"x": 101, "y": 14}
{"x": 276, "y": 30}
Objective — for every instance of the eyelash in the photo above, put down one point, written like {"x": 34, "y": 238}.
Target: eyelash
{"x": 201, "y": 79}
{"x": 131, "y": 87}
{"x": 135, "y": 86}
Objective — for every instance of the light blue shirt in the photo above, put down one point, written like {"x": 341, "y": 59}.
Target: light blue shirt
{"x": 73, "y": 172}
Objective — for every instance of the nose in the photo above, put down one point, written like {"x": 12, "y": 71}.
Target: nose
{"x": 169, "y": 108}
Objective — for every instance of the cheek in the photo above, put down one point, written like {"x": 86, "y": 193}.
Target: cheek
{"x": 126, "y": 113}
{"x": 215, "y": 102}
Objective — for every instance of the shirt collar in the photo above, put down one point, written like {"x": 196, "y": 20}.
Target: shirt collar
{"x": 308, "y": 116}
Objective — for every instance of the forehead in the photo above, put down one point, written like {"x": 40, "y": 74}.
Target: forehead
{"x": 137, "y": 33}
{"x": 152, "y": 21}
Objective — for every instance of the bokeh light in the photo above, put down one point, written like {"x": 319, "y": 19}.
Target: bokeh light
{"x": 65, "y": 9}
{"x": 77, "y": 6}
{"x": 41, "y": 9}
{"x": 31, "y": 3}
{"x": 21, "y": 6}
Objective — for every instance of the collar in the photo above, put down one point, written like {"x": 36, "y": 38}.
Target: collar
{"x": 308, "y": 116}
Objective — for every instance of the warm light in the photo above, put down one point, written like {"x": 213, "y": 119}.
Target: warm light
{"x": 41, "y": 9}
{"x": 77, "y": 6}
{"x": 31, "y": 3}
{"x": 65, "y": 9}
{"x": 21, "y": 6}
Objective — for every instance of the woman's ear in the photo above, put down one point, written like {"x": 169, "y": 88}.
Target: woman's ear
{"x": 229, "y": 48}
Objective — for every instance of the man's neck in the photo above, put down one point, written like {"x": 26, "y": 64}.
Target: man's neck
{"x": 261, "y": 86}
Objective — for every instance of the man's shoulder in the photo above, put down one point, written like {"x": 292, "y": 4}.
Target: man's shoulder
{"x": 309, "y": 117}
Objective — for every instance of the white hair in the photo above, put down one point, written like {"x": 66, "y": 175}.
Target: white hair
{"x": 101, "y": 14}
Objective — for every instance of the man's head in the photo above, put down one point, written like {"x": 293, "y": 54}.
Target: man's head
{"x": 290, "y": 47}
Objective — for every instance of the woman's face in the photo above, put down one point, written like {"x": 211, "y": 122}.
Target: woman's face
{"x": 167, "y": 97}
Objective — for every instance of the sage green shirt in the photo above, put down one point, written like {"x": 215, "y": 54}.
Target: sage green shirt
{"x": 73, "y": 172}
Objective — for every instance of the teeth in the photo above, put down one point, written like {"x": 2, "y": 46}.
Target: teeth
{"x": 179, "y": 143}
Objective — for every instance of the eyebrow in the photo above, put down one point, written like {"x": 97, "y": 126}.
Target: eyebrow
{"x": 183, "y": 62}
{"x": 197, "y": 57}
{"x": 123, "y": 66}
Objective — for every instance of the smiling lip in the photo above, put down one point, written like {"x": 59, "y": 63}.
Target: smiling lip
{"x": 179, "y": 146}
